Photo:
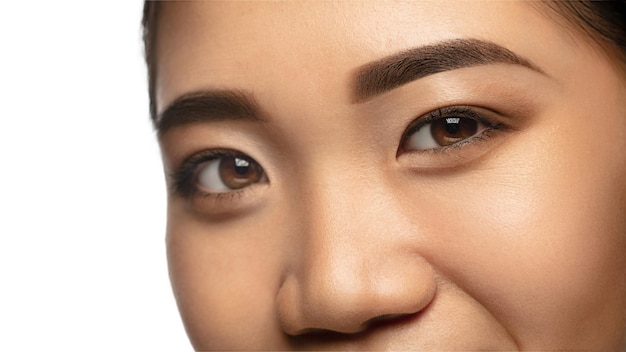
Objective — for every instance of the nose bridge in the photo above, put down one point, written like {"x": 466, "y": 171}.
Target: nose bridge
{"x": 336, "y": 206}
{"x": 343, "y": 222}
{"x": 351, "y": 269}
{"x": 339, "y": 242}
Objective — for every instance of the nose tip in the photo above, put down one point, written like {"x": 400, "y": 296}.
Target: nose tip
{"x": 356, "y": 262}
{"x": 350, "y": 305}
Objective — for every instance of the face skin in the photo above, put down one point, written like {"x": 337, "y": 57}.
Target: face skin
{"x": 353, "y": 233}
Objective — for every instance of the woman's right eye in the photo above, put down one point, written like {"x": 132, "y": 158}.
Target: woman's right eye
{"x": 228, "y": 173}
{"x": 216, "y": 172}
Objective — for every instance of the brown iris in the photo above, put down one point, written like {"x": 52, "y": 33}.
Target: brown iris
{"x": 239, "y": 172}
{"x": 450, "y": 130}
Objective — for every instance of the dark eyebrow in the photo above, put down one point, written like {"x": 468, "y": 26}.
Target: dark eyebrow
{"x": 208, "y": 105}
{"x": 393, "y": 71}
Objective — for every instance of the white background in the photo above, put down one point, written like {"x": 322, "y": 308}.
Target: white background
{"x": 82, "y": 196}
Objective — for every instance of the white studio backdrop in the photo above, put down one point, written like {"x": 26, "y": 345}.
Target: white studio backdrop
{"x": 82, "y": 194}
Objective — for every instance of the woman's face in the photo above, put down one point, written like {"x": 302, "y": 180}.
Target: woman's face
{"x": 392, "y": 175}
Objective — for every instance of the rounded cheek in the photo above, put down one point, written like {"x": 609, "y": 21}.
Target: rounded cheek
{"x": 224, "y": 278}
{"x": 537, "y": 234}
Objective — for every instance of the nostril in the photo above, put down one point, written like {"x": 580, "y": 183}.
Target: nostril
{"x": 320, "y": 332}
{"x": 390, "y": 320}
{"x": 313, "y": 336}
{"x": 371, "y": 323}
{"x": 383, "y": 318}
{"x": 337, "y": 291}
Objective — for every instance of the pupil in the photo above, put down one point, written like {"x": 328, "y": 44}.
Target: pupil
{"x": 238, "y": 172}
{"x": 447, "y": 131}
{"x": 241, "y": 166}
{"x": 453, "y": 128}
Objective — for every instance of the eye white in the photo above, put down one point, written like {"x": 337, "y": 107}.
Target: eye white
{"x": 422, "y": 139}
{"x": 209, "y": 177}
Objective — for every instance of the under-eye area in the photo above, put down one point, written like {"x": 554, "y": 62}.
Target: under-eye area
{"x": 392, "y": 175}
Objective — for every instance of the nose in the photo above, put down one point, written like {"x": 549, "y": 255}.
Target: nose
{"x": 355, "y": 264}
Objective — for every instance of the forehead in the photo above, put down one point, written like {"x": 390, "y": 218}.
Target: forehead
{"x": 274, "y": 47}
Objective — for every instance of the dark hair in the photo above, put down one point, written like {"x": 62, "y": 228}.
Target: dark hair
{"x": 148, "y": 24}
{"x": 603, "y": 21}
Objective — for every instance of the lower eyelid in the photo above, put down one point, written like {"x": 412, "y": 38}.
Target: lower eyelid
{"x": 220, "y": 206}
{"x": 221, "y": 196}
{"x": 455, "y": 155}
{"x": 215, "y": 204}
{"x": 478, "y": 137}
{"x": 184, "y": 180}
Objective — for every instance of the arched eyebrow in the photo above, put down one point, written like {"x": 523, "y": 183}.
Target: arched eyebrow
{"x": 208, "y": 105}
{"x": 396, "y": 70}
{"x": 370, "y": 80}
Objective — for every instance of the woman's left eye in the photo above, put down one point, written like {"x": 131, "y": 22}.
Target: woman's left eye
{"x": 442, "y": 128}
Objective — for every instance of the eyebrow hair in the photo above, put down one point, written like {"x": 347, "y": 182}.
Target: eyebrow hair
{"x": 208, "y": 105}
{"x": 372, "y": 79}
{"x": 393, "y": 71}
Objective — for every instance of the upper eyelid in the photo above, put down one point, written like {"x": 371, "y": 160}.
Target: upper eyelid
{"x": 182, "y": 183}
{"x": 182, "y": 177}
{"x": 468, "y": 111}
{"x": 492, "y": 125}
{"x": 208, "y": 155}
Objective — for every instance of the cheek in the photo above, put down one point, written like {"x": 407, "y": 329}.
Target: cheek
{"x": 224, "y": 279}
{"x": 537, "y": 234}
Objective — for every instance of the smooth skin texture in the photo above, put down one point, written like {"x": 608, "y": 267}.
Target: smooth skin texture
{"x": 511, "y": 241}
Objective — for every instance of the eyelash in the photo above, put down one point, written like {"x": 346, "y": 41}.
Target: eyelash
{"x": 445, "y": 112}
{"x": 184, "y": 179}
